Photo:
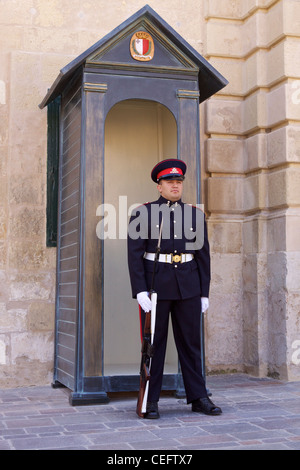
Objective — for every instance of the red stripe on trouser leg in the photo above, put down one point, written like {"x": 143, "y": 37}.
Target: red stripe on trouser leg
{"x": 141, "y": 328}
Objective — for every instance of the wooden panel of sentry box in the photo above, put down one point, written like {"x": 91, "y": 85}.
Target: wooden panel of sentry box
{"x": 68, "y": 237}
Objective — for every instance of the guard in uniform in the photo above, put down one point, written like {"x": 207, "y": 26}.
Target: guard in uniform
{"x": 182, "y": 279}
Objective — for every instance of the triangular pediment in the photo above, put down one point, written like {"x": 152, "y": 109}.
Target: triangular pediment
{"x": 172, "y": 53}
{"x": 120, "y": 50}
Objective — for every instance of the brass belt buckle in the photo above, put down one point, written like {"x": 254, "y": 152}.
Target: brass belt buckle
{"x": 176, "y": 258}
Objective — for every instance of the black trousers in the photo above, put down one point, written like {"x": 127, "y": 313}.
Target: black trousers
{"x": 186, "y": 317}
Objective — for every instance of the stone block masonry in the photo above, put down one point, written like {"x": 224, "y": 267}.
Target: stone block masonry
{"x": 250, "y": 157}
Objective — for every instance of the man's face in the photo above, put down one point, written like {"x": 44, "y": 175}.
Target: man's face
{"x": 170, "y": 189}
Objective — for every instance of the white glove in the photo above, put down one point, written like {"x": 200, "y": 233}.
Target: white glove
{"x": 204, "y": 304}
{"x": 144, "y": 301}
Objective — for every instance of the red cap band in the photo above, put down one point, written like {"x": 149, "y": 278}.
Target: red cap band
{"x": 170, "y": 171}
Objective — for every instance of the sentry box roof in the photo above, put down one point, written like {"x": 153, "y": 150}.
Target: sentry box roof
{"x": 171, "y": 52}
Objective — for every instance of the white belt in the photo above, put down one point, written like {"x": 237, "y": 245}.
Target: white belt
{"x": 170, "y": 258}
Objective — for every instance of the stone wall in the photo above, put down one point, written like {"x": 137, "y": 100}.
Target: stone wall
{"x": 253, "y": 192}
{"x": 250, "y": 158}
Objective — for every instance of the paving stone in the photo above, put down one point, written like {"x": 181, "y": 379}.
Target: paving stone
{"x": 258, "y": 414}
{"x": 42, "y": 443}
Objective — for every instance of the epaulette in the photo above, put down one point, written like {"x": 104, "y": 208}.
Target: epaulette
{"x": 135, "y": 209}
{"x": 196, "y": 207}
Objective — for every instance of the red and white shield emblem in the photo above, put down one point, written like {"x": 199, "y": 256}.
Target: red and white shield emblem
{"x": 142, "y": 46}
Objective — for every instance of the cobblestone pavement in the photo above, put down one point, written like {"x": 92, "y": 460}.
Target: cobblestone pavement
{"x": 258, "y": 414}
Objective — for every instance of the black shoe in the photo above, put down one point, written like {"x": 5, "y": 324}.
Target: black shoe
{"x": 206, "y": 406}
{"x": 151, "y": 410}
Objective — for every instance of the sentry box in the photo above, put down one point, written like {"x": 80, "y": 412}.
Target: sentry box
{"x": 129, "y": 101}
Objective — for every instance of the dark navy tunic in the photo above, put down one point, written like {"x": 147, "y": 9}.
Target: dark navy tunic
{"x": 184, "y": 231}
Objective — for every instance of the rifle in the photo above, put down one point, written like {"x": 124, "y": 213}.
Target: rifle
{"x": 147, "y": 344}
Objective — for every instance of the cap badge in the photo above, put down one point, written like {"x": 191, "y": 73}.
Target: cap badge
{"x": 174, "y": 170}
{"x": 142, "y": 46}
